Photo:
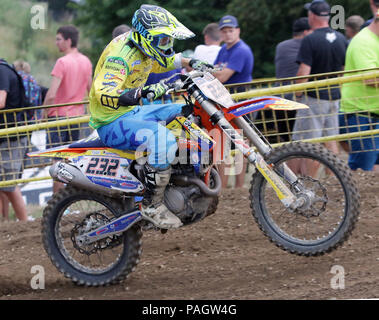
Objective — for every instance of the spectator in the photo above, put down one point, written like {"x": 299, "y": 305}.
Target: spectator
{"x": 12, "y": 149}
{"x": 4, "y": 205}
{"x": 212, "y": 39}
{"x": 71, "y": 79}
{"x": 286, "y": 52}
{"x": 353, "y": 26}
{"x": 235, "y": 56}
{"x": 206, "y": 53}
{"x": 287, "y": 67}
{"x": 359, "y": 101}
{"x": 22, "y": 66}
{"x": 237, "y": 61}
{"x": 34, "y": 93}
{"x": 188, "y": 54}
{"x": 121, "y": 29}
{"x": 321, "y": 51}
{"x": 367, "y": 23}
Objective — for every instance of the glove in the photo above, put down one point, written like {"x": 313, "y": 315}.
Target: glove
{"x": 129, "y": 97}
{"x": 158, "y": 89}
{"x": 199, "y": 65}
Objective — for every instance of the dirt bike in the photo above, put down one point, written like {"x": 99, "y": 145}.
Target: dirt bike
{"x": 92, "y": 228}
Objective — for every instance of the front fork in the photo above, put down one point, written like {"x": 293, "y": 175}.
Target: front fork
{"x": 285, "y": 195}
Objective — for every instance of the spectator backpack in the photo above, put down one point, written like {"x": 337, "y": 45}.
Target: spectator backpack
{"x": 32, "y": 89}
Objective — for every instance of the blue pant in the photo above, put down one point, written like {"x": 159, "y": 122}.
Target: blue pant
{"x": 364, "y": 151}
{"x": 143, "y": 129}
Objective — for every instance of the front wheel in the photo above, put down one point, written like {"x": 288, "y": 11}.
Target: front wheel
{"x": 329, "y": 217}
{"x": 74, "y": 211}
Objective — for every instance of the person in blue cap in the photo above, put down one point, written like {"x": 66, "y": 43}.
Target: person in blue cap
{"x": 235, "y": 55}
{"x": 237, "y": 60}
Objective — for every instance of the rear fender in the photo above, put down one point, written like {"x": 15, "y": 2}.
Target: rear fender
{"x": 59, "y": 152}
{"x": 66, "y": 152}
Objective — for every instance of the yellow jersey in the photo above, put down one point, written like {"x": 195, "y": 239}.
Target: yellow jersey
{"x": 121, "y": 66}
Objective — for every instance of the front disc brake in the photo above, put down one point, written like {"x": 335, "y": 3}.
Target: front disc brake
{"x": 314, "y": 195}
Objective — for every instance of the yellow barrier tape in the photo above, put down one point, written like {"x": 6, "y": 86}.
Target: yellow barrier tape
{"x": 21, "y": 181}
{"x": 43, "y": 125}
{"x": 292, "y": 79}
{"x": 44, "y": 106}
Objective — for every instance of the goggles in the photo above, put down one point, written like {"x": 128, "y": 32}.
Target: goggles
{"x": 164, "y": 44}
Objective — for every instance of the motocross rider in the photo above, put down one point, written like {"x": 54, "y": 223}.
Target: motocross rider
{"x": 118, "y": 86}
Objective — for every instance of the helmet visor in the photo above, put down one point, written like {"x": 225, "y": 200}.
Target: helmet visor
{"x": 164, "y": 44}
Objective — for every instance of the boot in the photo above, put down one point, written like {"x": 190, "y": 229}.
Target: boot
{"x": 153, "y": 208}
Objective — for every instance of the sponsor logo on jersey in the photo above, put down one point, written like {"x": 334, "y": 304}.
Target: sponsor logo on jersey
{"x": 136, "y": 63}
{"x": 117, "y": 60}
{"x": 111, "y": 76}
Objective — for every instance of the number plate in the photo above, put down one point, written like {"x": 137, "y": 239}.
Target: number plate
{"x": 214, "y": 90}
{"x": 109, "y": 171}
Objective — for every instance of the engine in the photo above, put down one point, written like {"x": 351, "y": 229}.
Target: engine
{"x": 188, "y": 203}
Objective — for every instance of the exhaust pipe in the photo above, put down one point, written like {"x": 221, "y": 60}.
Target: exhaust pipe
{"x": 184, "y": 181}
{"x": 66, "y": 173}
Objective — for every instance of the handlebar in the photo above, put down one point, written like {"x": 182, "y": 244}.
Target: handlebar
{"x": 150, "y": 96}
{"x": 179, "y": 84}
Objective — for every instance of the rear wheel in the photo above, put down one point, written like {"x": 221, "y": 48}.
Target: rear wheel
{"x": 73, "y": 211}
{"x": 331, "y": 212}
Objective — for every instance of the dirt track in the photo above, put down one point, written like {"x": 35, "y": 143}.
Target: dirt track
{"x": 225, "y": 256}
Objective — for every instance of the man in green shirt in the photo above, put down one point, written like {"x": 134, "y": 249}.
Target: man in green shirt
{"x": 360, "y": 99}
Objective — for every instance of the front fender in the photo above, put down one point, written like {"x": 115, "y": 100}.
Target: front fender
{"x": 256, "y": 104}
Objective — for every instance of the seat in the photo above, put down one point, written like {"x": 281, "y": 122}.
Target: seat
{"x": 96, "y": 143}
{"x": 88, "y": 143}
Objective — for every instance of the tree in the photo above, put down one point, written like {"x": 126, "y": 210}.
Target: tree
{"x": 58, "y": 8}
{"x": 264, "y": 23}
{"x": 98, "y": 18}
